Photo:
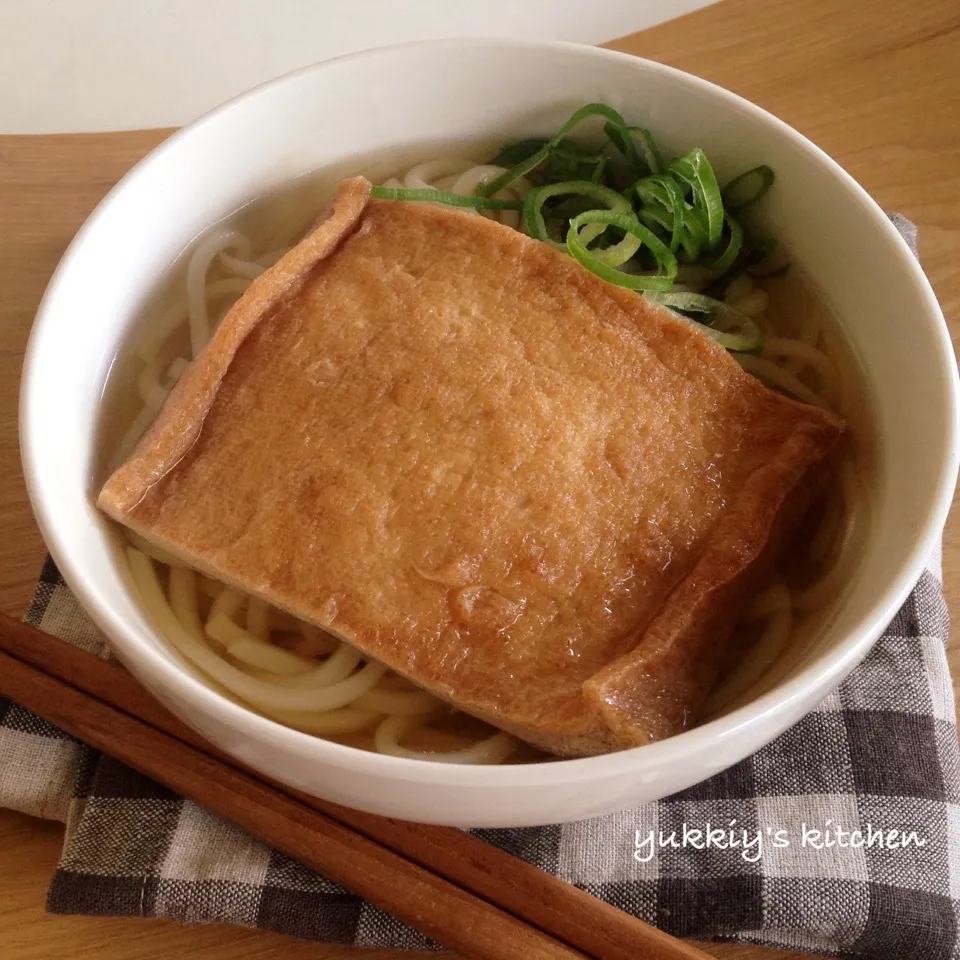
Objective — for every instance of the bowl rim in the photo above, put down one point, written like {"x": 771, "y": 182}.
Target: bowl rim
{"x": 822, "y": 675}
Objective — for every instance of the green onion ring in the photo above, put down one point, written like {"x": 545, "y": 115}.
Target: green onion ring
{"x": 666, "y": 261}
{"x": 763, "y": 173}
{"x": 624, "y": 139}
{"x": 649, "y": 147}
{"x": 574, "y": 160}
{"x": 750, "y": 337}
{"x": 621, "y": 139}
{"x": 416, "y": 195}
{"x": 695, "y": 171}
{"x": 654, "y": 217}
{"x": 663, "y": 191}
{"x": 694, "y": 235}
{"x": 537, "y": 228}
{"x": 515, "y": 152}
{"x": 535, "y": 159}
{"x": 729, "y": 256}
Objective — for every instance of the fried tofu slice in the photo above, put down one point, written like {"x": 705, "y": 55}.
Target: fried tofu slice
{"x": 538, "y": 496}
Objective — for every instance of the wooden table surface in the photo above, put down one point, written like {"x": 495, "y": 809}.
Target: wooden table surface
{"x": 876, "y": 83}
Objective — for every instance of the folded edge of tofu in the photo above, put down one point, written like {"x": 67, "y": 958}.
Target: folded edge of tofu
{"x": 181, "y": 418}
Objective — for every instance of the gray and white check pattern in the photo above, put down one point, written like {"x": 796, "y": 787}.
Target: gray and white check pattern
{"x": 880, "y": 753}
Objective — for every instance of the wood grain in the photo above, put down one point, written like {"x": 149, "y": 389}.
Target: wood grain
{"x": 48, "y": 187}
{"x": 439, "y": 909}
{"x": 873, "y": 82}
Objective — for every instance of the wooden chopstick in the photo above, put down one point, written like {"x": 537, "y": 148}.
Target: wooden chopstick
{"x": 439, "y": 909}
{"x": 459, "y": 865}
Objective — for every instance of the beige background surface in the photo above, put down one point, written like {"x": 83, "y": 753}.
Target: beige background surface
{"x": 876, "y": 83}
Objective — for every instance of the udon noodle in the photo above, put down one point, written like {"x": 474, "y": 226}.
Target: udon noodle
{"x": 301, "y": 677}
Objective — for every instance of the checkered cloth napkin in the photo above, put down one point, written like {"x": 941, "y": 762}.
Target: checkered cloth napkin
{"x": 840, "y": 837}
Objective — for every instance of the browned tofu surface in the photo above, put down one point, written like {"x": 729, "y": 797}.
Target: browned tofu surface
{"x": 536, "y": 495}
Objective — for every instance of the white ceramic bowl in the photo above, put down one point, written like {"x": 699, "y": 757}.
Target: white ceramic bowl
{"x": 394, "y": 98}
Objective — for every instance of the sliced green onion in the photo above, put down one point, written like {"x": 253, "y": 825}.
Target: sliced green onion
{"x": 666, "y": 261}
{"x": 663, "y": 201}
{"x": 748, "y": 336}
{"x": 416, "y": 195}
{"x": 763, "y": 252}
{"x": 695, "y": 171}
{"x": 535, "y": 159}
{"x": 654, "y": 218}
{"x": 536, "y": 226}
{"x": 729, "y": 256}
{"x": 570, "y": 163}
{"x": 694, "y": 236}
{"x": 518, "y": 170}
{"x": 748, "y": 340}
{"x": 622, "y": 140}
{"x": 625, "y": 139}
{"x": 692, "y": 303}
{"x": 771, "y": 274}
{"x": 568, "y": 209}
{"x": 651, "y": 153}
{"x": 514, "y": 153}
{"x": 748, "y": 188}
{"x": 755, "y": 251}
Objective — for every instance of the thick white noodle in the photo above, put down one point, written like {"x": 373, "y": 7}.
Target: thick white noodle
{"x": 738, "y": 289}
{"x": 467, "y": 183}
{"x": 177, "y": 368}
{"x": 338, "y": 666}
{"x": 316, "y": 640}
{"x": 423, "y": 175}
{"x": 265, "y": 696}
{"x": 135, "y": 431}
{"x": 809, "y": 333}
{"x": 183, "y": 600}
{"x": 228, "y": 602}
{"x": 776, "y": 376}
{"x": 258, "y": 619}
{"x": 197, "y": 268}
{"x": 766, "y": 604}
{"x": 831, "y": 580}
{"x": 266, "y": 656}
{"x": 753, "y": 305}
{"x": 824, "y": 540}
{"x": 494, "y": 749}
{"x": 783, "y": 360}
{"x": 470, "y": 179}
{"x": 269, "y": 258}
{"x": 246, "y": 648}
{"x": 152, "y": 550}
{"x": 401, "y": 703}
{"x": 152, "y": 391}
{"x": 171, "y": 321}
{"x": 810, "y": 329}
{"x": 806, "y": 355}
{"x": 329, "y": 723}
{"x": 446, "y": 183}
{"x": 461, "y": 176}
{"x": 762, "y": 655}
{"x": 250, "y": 269}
